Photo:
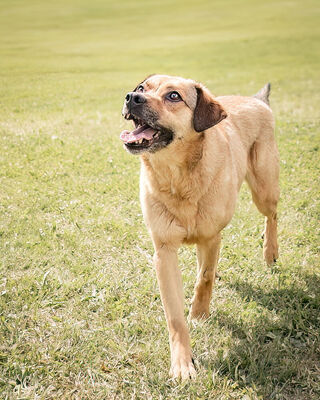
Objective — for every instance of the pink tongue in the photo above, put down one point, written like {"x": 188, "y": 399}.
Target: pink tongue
{"x": 143, "y": 132}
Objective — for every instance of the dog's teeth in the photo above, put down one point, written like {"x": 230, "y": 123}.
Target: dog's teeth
{"x": 140, "y": 141}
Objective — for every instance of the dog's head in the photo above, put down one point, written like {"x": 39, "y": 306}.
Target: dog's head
{"x": 165, "y": 109}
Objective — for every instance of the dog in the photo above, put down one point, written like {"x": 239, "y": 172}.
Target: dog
{"x": 196, "y": 150}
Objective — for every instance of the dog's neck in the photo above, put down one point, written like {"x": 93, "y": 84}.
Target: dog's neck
{"x": 174, "y": 169}
{"x": 184, "y": 154}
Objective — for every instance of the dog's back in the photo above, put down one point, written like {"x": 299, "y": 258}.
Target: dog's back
{"x": 249, "y": 117}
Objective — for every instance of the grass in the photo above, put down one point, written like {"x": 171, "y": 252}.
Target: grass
{"x": 80, "y": 313}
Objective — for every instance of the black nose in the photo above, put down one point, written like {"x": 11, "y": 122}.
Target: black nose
{"x": 135, "y": 98}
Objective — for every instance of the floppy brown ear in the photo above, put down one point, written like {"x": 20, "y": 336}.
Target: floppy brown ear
{"x": 208, "y": 112}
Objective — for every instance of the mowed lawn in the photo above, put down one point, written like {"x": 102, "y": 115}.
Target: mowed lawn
{"x": 80, "y": 312}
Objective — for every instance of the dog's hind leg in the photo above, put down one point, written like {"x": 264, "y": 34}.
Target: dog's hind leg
{"x": 263, "y": 179}
{"x": 207, "y": 254}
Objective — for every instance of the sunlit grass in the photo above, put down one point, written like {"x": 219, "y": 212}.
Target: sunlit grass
{"x": 81, "y": 316}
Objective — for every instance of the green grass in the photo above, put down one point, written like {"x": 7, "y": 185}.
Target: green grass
{"x": 80, "y": 313}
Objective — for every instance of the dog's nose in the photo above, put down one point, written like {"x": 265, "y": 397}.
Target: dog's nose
{"x": 135, "y": 98}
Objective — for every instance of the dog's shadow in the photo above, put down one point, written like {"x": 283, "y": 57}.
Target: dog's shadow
{"x": 277, "y": 354}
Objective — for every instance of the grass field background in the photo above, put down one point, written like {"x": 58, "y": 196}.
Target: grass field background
{"x": 80, "y": 313}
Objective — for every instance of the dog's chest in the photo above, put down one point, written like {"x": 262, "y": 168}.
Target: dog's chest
{"x": 186, "y": 200}
{"x": 200, "y": 212}
{"x": 190, "y": 210}
{"x": 199, "y": 219}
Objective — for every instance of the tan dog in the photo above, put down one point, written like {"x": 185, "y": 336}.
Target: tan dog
{"x": 196, "y": 150}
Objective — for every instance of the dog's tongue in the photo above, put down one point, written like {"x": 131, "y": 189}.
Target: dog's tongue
{"x": 143, "y": 132}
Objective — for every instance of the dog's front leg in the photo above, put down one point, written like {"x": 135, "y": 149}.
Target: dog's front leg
{"x": 208, "y": 254}
{"x": 170, "y": 283}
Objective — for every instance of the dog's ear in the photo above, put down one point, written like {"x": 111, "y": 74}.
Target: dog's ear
{"x": 149, "y": 76}
{"x": 208, "y": 111}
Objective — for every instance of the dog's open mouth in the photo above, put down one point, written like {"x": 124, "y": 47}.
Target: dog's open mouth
{"x": 148, "y": 135}
{"x": 142, "y": 137}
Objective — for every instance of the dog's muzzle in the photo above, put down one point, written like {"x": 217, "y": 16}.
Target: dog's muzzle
{"x": 148, "y": 135}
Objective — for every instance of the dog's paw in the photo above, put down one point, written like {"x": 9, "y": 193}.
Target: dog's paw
{"x": 198, "y": 315}
{"x": 198, "y": 311}
{"x": 183, "y": 369}
{"x": 270, "y": 255}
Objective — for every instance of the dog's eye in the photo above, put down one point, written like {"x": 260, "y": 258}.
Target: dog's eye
{"x": 173, "y": 96}
{"x": 140, "y": 88}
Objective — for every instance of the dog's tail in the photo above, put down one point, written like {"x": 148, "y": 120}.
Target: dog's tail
{"x": 264, "y": 93}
